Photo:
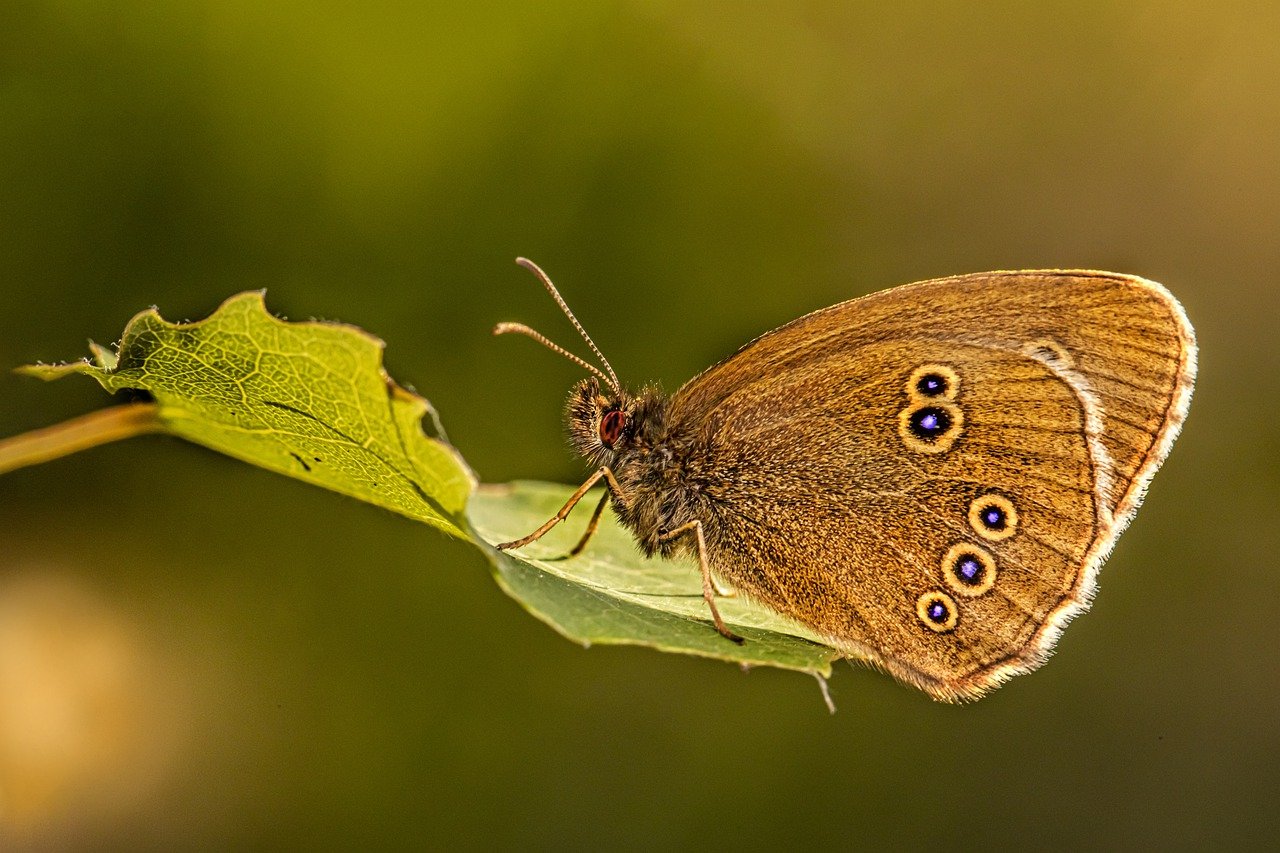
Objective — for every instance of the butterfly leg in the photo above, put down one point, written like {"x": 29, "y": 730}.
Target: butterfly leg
{"x": 614, "y": 488}
{"x": 592, "y": 525}
{"x": 708, "y": 582}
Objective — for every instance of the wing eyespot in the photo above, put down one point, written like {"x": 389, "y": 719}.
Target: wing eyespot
{"x": 993, "y": 517}
{"x": 969, "y": 570}
{"x": 938, "y": 611}
{"x": 933, "y": 382}
{"x": 930, "y": 426}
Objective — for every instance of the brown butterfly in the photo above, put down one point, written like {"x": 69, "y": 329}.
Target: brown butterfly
{"x": 929, "y": 477}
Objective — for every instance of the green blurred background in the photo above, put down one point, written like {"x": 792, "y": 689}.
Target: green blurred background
{"x": 194, "y": 652}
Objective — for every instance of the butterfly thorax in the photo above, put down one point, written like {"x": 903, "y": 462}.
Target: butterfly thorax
{"x": 628, "y": 433}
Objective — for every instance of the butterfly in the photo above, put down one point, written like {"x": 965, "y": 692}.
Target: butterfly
{"x": 929, "y": 477}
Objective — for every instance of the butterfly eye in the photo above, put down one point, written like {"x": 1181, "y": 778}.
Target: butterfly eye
{"x": 611, "y": 427}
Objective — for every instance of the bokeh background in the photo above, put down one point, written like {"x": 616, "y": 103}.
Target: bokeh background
{"x": 198, "y": 653}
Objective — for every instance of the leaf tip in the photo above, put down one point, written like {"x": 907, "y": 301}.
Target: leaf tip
{"x": 50, "y": 372}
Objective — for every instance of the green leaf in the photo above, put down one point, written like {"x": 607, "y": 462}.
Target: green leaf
{"x": 610, "y": 593}
{"x": 309, "y": 400}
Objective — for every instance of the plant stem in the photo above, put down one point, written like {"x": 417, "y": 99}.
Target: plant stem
{"x": 100, "y": 427}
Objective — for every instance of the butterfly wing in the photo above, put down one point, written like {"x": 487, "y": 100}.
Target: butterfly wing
{"x": 930, "y": 476}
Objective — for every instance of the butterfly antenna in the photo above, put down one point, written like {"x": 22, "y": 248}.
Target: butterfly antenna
{"x": 555, "y": 294}
{"x": 522, "y": 329}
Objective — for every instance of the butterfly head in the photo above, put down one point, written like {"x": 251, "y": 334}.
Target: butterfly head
{"x": 601, "y": 422}
{"x": 610, "y": 427}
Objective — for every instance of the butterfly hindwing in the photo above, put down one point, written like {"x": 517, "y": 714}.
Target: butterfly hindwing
{"x": 930, "y": 476}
